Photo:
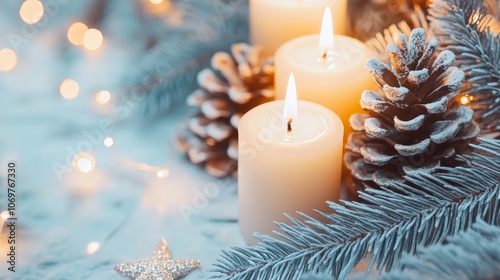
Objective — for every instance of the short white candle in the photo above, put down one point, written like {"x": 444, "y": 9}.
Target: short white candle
{"x": 289, "y": 160}
{"x": 274, "y": 22}
{"x": 330, "y": 70}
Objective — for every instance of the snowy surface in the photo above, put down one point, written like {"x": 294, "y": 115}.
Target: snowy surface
{"x": 125, "y": 209}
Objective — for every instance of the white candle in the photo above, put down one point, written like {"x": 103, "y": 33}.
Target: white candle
{"x": 289, "y": 160}
{"x": 274, "y": 22}
{"x": 330, "y": 70}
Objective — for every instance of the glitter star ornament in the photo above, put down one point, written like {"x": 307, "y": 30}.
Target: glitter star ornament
{"x": 159, "y": 267}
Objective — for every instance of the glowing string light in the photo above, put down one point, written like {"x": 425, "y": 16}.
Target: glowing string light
{"x": 76, "y": 32}
{"x": 5, "y": 215}
{"x": 92, "y": 40}
{"x": 159, "y": 171}
{"x": 69, "y": 89}
{"x": 466, "y": 99}
{"x": 92, "y": 247}
{"x": 108, "y": 142}
{"x": 31, "y": 11}
{"x": 103, "y": 97}
{"x": 8, "y": 60}
{"x": 84, "y": 162}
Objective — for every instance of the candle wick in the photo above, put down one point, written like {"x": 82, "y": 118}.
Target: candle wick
{"x": 289, "y": 126}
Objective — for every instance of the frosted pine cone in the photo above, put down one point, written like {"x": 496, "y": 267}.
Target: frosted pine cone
{"x": 414, "y": 123}
{"x": 235, "y": 84}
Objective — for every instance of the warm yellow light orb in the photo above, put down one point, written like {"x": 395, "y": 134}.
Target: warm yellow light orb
{"x": 92, "y": 247}
{"x": 156, "y": 1}
{"x": 69, "y": 89}
{"x": 31, "y": 11}
{"x": 8, "y": 60}
{"x": 464, "y": 100}
{"x": 92, "y": 40}
{"x": 84, "y": 162}
{"x": 103, "y": 97}
{"x": 108, "y": 142}
{"x": 76, "y": 32}
{"x": 162, "y": 173}
{"x": 5, "y": 215}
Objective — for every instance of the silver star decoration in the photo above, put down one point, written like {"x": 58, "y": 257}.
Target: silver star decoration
{"x": 159, "y": 267}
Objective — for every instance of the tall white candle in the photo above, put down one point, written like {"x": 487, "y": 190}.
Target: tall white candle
{"x": 274, "y": 22}
{"x": 289, "y": 160}
{"x": 330, "y": 70}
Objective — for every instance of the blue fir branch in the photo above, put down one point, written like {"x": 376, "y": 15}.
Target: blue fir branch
{"x": 461, "y": 26}
{"x": 168, "y": 73}
{"x": 392, "y": 221}
{"x": 473, "y": 254}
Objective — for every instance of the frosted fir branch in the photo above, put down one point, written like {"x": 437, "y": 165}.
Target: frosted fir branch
{"x": 473, "y": 254}
{"x": 168, "y": 73}
{"x": 394, "y": 220}
{"x": 462, "y": 27}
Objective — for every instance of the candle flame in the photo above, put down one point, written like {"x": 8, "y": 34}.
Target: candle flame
{"x": 326, "y": 35}
{"x": 290, "y": 109}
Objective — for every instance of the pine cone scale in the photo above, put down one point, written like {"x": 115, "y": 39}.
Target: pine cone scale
{"x": 414, "y": 124}
{"x": 234, "y": 84}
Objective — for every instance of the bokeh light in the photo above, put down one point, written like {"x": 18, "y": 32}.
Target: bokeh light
{"x": 92, "y": 247}
{"x": 162, "y": 173}
{"x": 466, "y": 99}
{"x": 5, "y": 215}
{"x": 69, "y": 89}
{"x": 31, "y": 11}
{"x": 102, "y": 97}
{"x": 92, "y": 40}
{"x": 8, "y": 60}
{"x": 108, "y": 142}
{"x": 76, "y": 32}
{"x": 157, "y": 7}
{"x": 84, "y": 162}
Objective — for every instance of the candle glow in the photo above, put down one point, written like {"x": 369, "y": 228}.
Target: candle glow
{"x": 326, "y": 34}
{"x": 290, "y": 108}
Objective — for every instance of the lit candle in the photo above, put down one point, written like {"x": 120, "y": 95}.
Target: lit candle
{"x": 330, "y": 70}
{"x": 274, "y": 22}
{"x": 290, "y": 158}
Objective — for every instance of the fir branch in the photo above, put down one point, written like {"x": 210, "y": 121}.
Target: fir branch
{"x": 169, "y": 71}
{"x": 473, "y": 254}
{"x": 461, "y": 26}
{"x": 394, "y": 220}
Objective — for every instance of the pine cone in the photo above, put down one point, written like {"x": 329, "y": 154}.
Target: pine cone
{"x": 414, "y": 123}
{"x": 233, "y": 86}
